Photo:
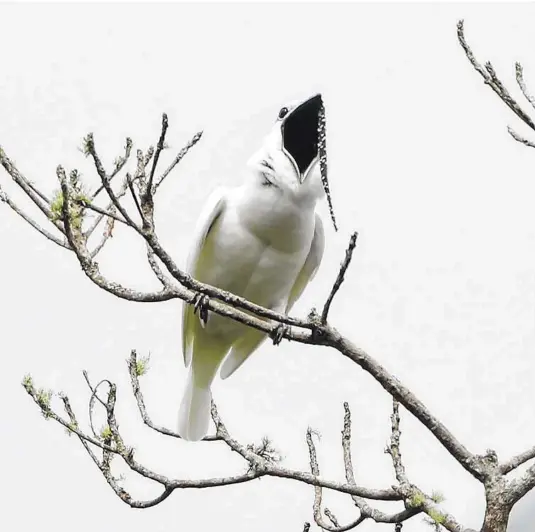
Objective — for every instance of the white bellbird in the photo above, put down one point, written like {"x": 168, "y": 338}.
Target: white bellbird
{"x": 262, "y": 241}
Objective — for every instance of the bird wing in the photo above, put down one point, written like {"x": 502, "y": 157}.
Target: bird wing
{"x": 312, "y": 262}
{"x": 252, "y": 338}
{"x": 212, "y": 210}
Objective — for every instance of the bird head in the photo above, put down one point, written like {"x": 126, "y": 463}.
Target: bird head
{"x": 288, "y": 158}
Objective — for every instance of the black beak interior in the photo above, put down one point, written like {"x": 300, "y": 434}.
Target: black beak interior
{"x": 300, "y": 132}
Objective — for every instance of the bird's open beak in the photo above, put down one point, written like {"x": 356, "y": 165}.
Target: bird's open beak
{"x": 300, "y": 136}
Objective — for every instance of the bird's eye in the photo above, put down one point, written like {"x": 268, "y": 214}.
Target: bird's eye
{"x": 283, "y": 112}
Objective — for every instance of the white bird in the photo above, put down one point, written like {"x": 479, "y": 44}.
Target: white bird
{"x": 262, "y": 241}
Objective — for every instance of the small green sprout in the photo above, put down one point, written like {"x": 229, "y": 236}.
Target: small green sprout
{"x": 71, "y": 428}
{"x": 43, "y": 400}
{"x": 438, "y": 497}
{"x": 27, "y": 382}
{"x": 417, "y": 499}
{"x": 56, "y": 206}
{"x": 76, "y": 210}
{"x": 436, "y": 516}
{"x": 106, "y": 433}
{"x": 142, "y": 366}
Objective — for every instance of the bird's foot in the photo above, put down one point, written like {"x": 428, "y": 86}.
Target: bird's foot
{"x": 200, "y": 306}
{"x": 278, "y": 333}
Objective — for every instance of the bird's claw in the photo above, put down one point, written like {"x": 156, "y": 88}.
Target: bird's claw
{"x": 200, "y": 305}
{"x": 278, "y": 333}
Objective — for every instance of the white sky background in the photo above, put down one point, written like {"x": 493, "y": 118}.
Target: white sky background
{"x": 441, "y": 291}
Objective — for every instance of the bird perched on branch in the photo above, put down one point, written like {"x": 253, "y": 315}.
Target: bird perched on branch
{"x": 262, "y": 241}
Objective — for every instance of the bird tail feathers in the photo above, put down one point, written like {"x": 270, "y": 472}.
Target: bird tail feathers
{"x": 194, "y": 413}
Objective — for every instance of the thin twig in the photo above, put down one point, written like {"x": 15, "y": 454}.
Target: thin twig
{"x": 134, "y": 196}
{"x": 94, "y": 396}
{"x": 136, "y": 389}
{"x": 119, "y": 165}
{"x": 151, "y": 258}
{"x": 275, "y": 470}
{"x": 519, "y": 138}
{"x": 90, "y": 145}
{"x": 366, "y": 511}
{"x": 7, "y": 200}
{"x": 522, "y": 84}
{"x": 159, "y": 147}
{"x": 340, "y": 277}
{"x": 177, "y": 159}
{"x": 29, "y": 189}
{"x": 106, "y": 234}
{"x": 110, "y": 207}
{"x": 103, "y": 212}
{"x": 332, "y": 518}
{"x": 318, "y": 518}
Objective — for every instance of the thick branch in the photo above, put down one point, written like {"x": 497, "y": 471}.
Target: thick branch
{"x": 517, "y": 461}
{"x": 519, "y": 487}
{"x": 407, "y": 399}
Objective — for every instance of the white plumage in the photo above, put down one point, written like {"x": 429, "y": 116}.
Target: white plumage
{"x": 262, "y": 241}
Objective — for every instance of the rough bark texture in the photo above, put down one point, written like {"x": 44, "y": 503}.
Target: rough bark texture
{"x": 498, "y": 508}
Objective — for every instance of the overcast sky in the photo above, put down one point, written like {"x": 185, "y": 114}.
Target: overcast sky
{"x": 441, "y": 291}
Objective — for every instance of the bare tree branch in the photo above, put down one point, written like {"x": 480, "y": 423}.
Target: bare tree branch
{"x": 366, "y": 511}
{"x": 414, "y": 497}
{"x": 318, "y": 518}
{"x": 402, "y": 394}
{"x": 491, "y": 79}
{"x": 275, "y": 470}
